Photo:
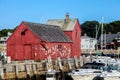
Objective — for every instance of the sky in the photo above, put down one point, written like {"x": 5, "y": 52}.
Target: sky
{"x": 13, "y": 12}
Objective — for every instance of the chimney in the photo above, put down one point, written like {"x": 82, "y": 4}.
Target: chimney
{"x": 67, "y": 16}
{"x": 85, "y": 34}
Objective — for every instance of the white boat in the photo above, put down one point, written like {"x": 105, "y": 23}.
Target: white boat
{"x": 104, "y": 59}
{"x": 88, "y": 72}
{"x": 50, "y": 75}
{"x": 111, "y": 72}
{"x": 103, "y": 72}
{"x": 114, "y": 75}
{"x": 84, "y": 74}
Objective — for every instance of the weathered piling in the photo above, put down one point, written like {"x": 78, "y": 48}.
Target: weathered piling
{"x": 76, "y": 62}
{"x": 28, "y": 69}
{"x": 69, "y": 64}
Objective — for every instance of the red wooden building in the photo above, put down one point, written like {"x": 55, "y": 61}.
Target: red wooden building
{"x": 57, "y": 38}
{"x": 38, "y": 41}
{"x": 72, "y": 28}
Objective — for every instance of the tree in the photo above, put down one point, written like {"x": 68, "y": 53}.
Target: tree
{"x": 5, "y": 31}
{"x": 89, "y": 27}
{"x": 113, "y": 27}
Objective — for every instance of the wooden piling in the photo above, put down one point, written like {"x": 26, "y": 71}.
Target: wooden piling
{"x": 29, "y": 69}
{"x": 16, "y": 70}
{"x": 76, "y": 62}
{"x": 69, "y": 64}
{"x": 59, "y": 63}
{"x": 1, "y": 73}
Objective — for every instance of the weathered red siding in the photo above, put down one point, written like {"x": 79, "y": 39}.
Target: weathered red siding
{"x": 17, "y": 42}
{"x": 76, "y": 39}
{"x": 29, "y": 46}
{"x": 53, "y": 50}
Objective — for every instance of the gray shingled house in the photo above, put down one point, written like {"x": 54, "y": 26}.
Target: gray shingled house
{"x": 109, "y": 41}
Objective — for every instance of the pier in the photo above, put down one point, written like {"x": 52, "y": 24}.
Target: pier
{"x": 30, "y": 68}
{"x": 106, "y": 51}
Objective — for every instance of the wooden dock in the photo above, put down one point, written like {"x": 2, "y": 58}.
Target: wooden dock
{"x": 29, "y": 68}
{"x": 106, "y": 51}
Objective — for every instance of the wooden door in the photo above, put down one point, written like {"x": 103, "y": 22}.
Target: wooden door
{"x": 27, "y": 52}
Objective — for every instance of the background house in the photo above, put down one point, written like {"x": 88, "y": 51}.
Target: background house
{"x": 109, "y": 41}
{"x": 72, "y": 28}
{"x": 38, "y": 41}
{"x": 3, "y": 43}
{"x": 4, "y": 39}
{"x": 88, "y": 44}
{"x": 3, "y": 47}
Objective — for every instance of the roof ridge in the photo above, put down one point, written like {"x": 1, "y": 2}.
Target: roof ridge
{"x": 63, "y": 19}
{"x": 64, "y": 25}
{"x": 34, "y": 23}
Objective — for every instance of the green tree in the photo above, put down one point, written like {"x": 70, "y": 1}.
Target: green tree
{"x": 5, "y": 31}
{"x": 113, "y": 27}
{"x": 89, "y": 27}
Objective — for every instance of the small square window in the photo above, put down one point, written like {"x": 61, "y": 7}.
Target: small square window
{"x": 60, "y": 47}
{"x": 23, "y": 32}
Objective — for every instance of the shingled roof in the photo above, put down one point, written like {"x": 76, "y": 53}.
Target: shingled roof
{"x": 48, "y": 33}
{"x": 109, "y": 37}
{"x": 87, "y": 37}
{"x": 65, "y": 25}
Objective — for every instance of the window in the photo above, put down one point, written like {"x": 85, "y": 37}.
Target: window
{"x": 23, "y": 32}
{"x": 91, "y": 41}
{"x": 86, "y": 40}
{"x": 60, "y": 47}
{"x": 4, "y": 38}
{"x": 76, "y": 34}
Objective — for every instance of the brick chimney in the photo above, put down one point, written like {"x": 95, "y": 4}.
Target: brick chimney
{"x": 67, "y": 16}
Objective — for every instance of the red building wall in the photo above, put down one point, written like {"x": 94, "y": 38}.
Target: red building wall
{"x": 29, "y": 46}
{"x": 75, "y": 36}
{"x": 18, "y": 45}
{"x": 55, "y": 50}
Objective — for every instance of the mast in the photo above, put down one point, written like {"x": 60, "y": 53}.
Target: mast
{"x": 102, "y": 34}
{"x": 96, "y": 32}
{"x": 105, "y": 41}
{"x": 96, "y": 37}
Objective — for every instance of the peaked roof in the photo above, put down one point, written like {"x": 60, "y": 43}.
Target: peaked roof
{"x": 87, "y": 37}
{"x": 109, "y": 37}
{"x": 48, "y": 33}
{"x": 65, "y": 25}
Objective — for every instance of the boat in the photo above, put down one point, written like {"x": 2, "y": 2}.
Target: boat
{"x": 89, "y": 71}
{"x": 85, "y": 74}
{"x": 111, "y": 72}
{"x": 104, "y": 59}
{"x": 50, "y": 75}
